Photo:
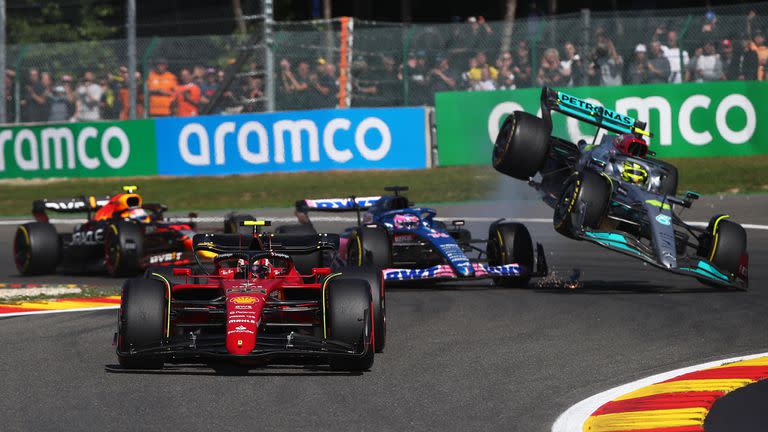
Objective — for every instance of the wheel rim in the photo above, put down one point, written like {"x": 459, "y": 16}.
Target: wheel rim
{"x": 506, "y": 131}
{"x": 112, "y": 252}
{"x": 564, "y": 204}
{"x": 21, "y": 249}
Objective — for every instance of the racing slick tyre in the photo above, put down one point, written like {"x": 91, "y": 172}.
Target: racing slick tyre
{"x": 123, "y": 248}
{"x": 587, "y": 188}
{"x": 304, "y": 262}
{"x": 510, "y": 243}
{"x": 232, "y": 224}
{"x": 668, "y": 183}
{"x": 141, "y": 322}
{"x": 724, "y": 243}
{"x": 375, "y": 279}
{"x": 521, "y": 145}
{"x": 349, "y": 319}
{"x": 36, "y": 248}
{"x": 369, "y": 246}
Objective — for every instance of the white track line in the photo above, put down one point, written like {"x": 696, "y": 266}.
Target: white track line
{"x": 284, "y": 219}
{"x": 573, "y": 419}
{"x": 43, "y": 312}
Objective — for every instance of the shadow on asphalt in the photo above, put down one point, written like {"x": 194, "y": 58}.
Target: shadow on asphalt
{"x": 230, "y": 370}
{"x": 625, "y": 287}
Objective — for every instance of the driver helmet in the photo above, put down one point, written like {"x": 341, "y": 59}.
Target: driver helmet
{"x": 406, "y": 221}
{"x": 260, "y": 269}
{"x": 136, "y": 214}
{"x": 630, "y": 145}
{"x": 633, "y": 172}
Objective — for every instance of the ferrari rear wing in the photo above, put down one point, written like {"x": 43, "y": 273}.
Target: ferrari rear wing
{"x": 297, "y": 244}
{"x": 593, "y": 114}
{"x": 81, "y": 204}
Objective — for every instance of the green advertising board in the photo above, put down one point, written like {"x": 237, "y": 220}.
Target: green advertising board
{"x": 96, "y": 149}
{"x": 687, "y": 120}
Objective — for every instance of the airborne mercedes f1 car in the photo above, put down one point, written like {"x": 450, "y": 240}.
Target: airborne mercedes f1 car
{"x": 121, "y": 235}
{"x": 409, "y": 244}
{"x": 252, "y": 308}
{"x": 614, "y": 193}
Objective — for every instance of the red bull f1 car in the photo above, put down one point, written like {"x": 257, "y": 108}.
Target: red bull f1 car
{"x": 411, "y": 245}
{"x": 121, "y": 236}
{"x": 252, "y": 307}
{"x": 613, "y": 192}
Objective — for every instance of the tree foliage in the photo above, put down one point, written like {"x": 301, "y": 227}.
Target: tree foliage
{"x": 44, "y": 21}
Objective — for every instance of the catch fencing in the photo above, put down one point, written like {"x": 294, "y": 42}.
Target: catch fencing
{"x": 348, "y": 62}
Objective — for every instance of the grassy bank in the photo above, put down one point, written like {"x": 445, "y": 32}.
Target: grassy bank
{"x": 267, "y": 190}
{"x": 707, "y": 176}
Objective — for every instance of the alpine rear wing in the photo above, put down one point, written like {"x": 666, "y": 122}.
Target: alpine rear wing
{"x": 595, "y": 115}
{"x": 336, "y": 204}
{"x": 81, "y": 204}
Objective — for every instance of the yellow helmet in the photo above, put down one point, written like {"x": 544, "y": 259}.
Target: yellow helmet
{"x": 633, "y": 172}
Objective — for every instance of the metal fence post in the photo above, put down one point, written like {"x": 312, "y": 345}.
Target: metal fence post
{"x": 269, "y": 55}
{"x": 145, "y": 70}
{"x": 2, "y": 61}
{"x": 17, "y": 83}
{"x": 131, "y": 30}
{"x": 585, "y": 53}
{"x": 406, "y": 72}
{"x": 680, "y": 45}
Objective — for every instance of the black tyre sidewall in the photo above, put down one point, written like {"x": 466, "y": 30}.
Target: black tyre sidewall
{"x": 375, "y": 279}
{"x": 730, "y": 245}
{"x": 595, "y": 192}
{"x": 129, "y": 260}
{"x": 142, "y": 321}
{"x": 512, "y": 244}
{"x": 348, "y": 312}
{"x": 43, "y": 246}
{"x": 375, "y": 245}
{"x": 521, "y": 146}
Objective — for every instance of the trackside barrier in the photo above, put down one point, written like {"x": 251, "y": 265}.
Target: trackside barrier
{"x": 318, "y": 140}
{"x": 688, "y": 120}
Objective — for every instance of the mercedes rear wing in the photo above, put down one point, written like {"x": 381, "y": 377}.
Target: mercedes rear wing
{"x": 587, "y": 112}
{"x": 81, "y": 204}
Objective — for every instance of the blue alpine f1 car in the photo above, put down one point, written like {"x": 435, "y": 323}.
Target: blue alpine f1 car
{"x": 613, "y": 192}
{"x": 409, "y": 244}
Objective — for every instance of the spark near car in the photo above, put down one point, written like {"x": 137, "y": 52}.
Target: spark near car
{"x": 613, "y": 192}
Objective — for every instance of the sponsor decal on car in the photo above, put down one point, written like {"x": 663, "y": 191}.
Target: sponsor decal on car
{"x": 244, "y": 300}
{"x": 445, "y": 271}
{"x": 88, "y": 238}
{"x": 166, "y": 257}
{"x": 244, "y": 307}
{"x": 664, "y": 219}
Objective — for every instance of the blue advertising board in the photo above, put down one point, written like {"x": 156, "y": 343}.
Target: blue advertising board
{"x": 319, "y": 140}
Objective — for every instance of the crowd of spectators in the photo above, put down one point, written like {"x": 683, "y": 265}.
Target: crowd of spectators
{"x": 473, "y": 60}
{"x": 44, "y": 97}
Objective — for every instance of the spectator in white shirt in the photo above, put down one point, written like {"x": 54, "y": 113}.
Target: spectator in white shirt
{"x": 708, "y": 67}
{"x": 672, "y": 52}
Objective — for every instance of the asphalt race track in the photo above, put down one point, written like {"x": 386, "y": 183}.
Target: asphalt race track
{"x": 458, "y": 357}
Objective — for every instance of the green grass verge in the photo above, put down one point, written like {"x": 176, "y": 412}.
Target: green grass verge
{"x": 444, "y": 184}
{"x": 259, "y": 191}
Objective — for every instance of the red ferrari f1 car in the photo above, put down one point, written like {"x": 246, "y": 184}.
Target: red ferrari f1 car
{"x": 253, "y": 307}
